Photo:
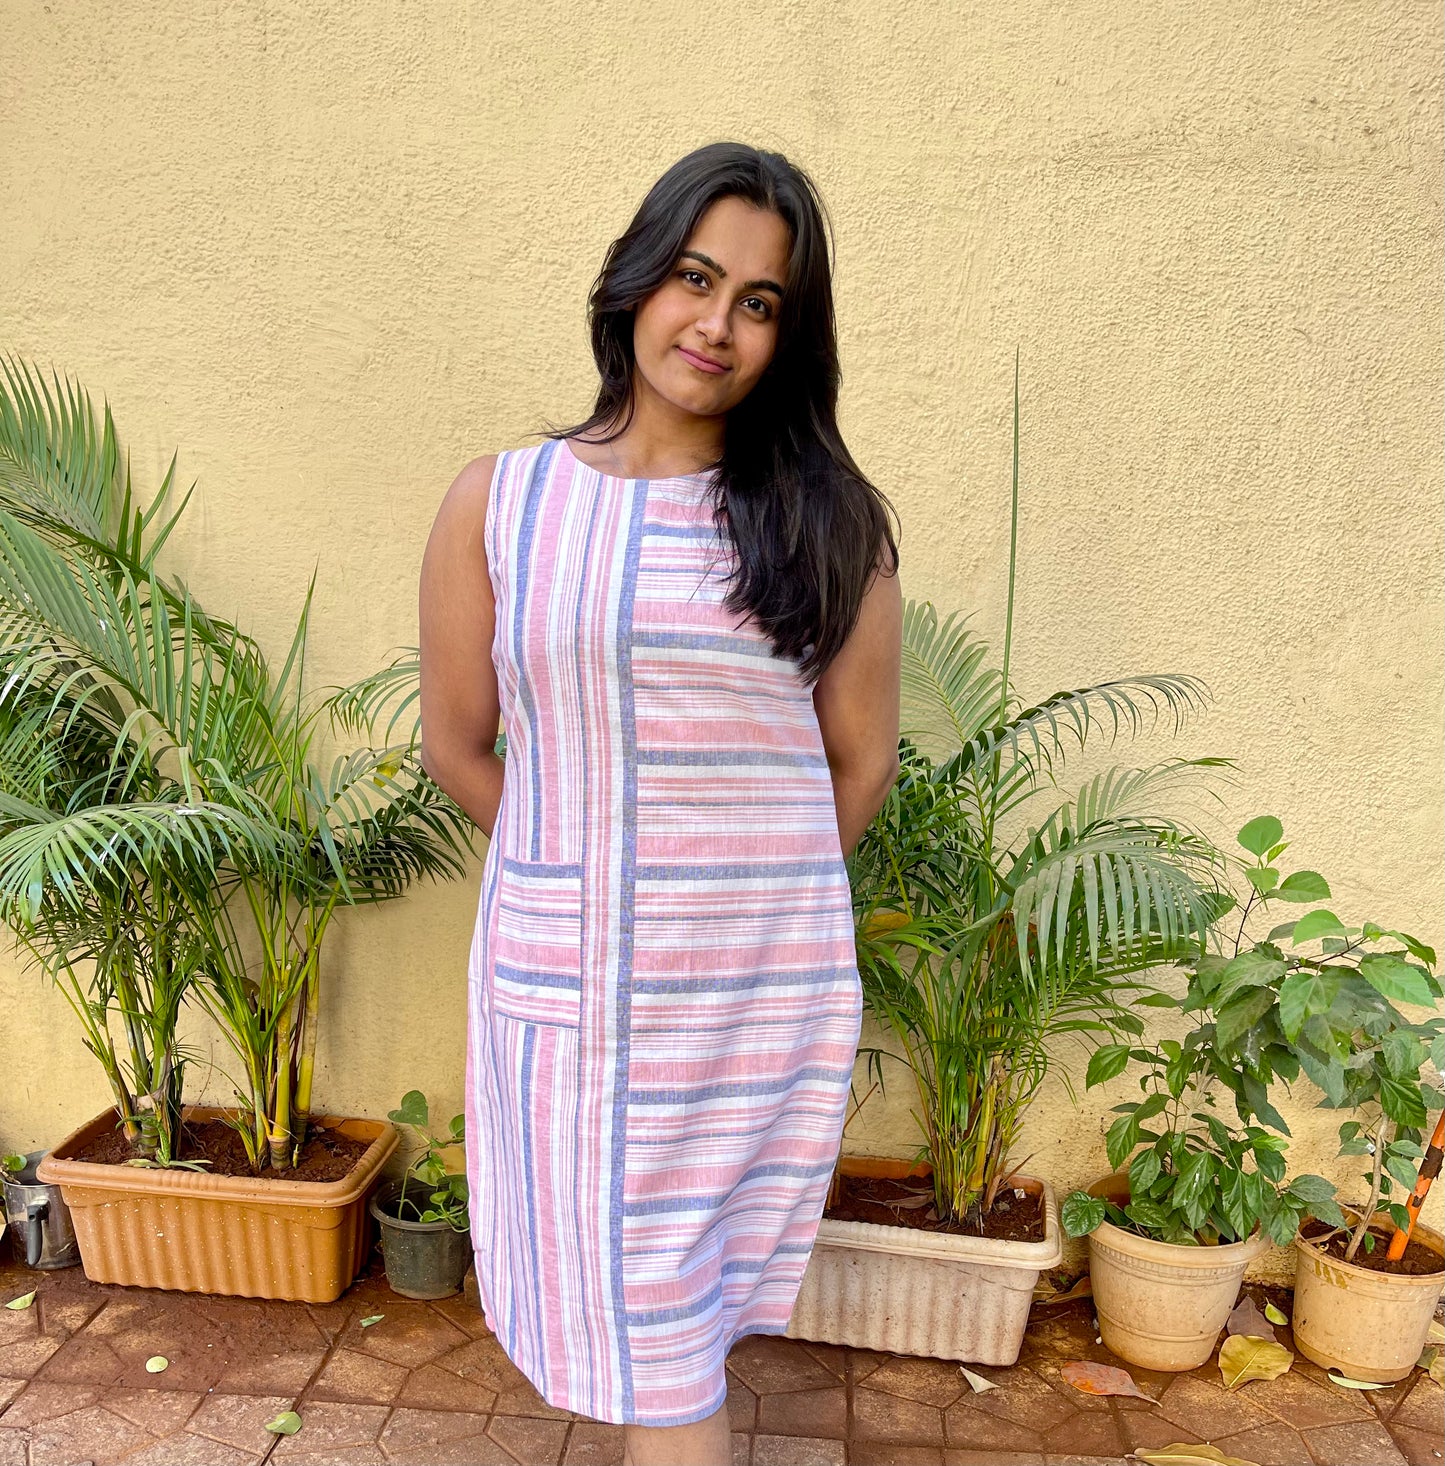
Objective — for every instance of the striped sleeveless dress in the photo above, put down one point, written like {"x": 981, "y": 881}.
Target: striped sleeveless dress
{"x": 663, "y": 997}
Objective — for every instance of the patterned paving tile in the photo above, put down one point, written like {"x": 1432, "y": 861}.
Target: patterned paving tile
{"x": 1363, "y": 1441}
{"x": 430, "y": 1383}
{"x": 805, "y": 1413}
{"x": 594, "y": 1443}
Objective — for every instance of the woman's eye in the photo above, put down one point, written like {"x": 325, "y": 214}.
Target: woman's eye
{"x": 763, "y": 309}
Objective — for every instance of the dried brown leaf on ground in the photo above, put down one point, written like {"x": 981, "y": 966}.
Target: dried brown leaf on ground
{"x": 1244, "y": 1357}
{"x": 1101, "y": 1379}
{"x": 1184, "y": 1455}
{"x": 1247, "y": 1319}
{"x": 1084, "y": 1288}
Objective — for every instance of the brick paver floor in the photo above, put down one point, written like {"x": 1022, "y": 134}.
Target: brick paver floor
{"x": 429, "y": 1384}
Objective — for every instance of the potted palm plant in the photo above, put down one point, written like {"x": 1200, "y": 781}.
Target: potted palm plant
{"x": 994, "y": 919}
{"x": 202, "y": 805}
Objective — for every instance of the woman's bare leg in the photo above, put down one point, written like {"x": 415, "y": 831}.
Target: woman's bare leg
{"x": 704, "y": 1443}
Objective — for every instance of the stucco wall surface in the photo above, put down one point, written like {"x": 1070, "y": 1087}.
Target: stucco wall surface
{"x": 331, "y": 252}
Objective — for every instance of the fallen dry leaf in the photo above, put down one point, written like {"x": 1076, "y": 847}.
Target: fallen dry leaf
{"x": 1244, "y": 1357}
{"x": 976, "y": 1382}
{"x": 1353, "y": 1384}
{"x": 1084, "y": 1288}
{"x": 1437, "y": 1367}
{"x": 1102, "y": 1379}
{"x": 1247, "y": 1319}
{"x": 1182, "y": 1455}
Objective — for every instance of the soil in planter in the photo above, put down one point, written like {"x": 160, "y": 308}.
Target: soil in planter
{"x": 895, "y": 1203}
{"x": 327, "y": 1155}
{"x": 1417, "y": 1262}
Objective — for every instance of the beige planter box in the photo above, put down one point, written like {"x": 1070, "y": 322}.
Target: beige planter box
{"x": 1368, "y": 1325}
{"x": 903, "y": 1290}
{"x": 251, "y": 1237}
{"x": 1161, "y": 1305}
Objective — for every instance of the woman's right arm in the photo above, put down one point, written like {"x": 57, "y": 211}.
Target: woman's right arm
{"x": 460, "y": 709}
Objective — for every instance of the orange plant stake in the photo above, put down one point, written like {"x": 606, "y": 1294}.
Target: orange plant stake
{"x": 1429, "y": 1169}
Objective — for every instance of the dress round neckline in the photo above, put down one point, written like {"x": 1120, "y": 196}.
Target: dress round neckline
{"x": 667, "y": 478}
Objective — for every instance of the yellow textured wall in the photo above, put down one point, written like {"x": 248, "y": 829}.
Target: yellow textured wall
{"x": 331, "y": 252}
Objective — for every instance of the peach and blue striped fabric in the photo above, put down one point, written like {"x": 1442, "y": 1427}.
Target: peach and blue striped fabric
{"x": 664, "y": 1003}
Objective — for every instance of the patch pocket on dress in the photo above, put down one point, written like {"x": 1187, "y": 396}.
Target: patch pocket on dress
{"x": 537, "y": 967}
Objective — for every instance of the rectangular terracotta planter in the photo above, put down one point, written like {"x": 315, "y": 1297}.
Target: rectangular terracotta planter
{"x": 903, "y": 1290}
{"x": 248, "y": 1236}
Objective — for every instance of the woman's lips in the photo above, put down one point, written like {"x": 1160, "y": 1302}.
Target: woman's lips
{"x": 701, "y": 364}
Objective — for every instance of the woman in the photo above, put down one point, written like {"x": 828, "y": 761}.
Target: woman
{"x": 686, "y": 612}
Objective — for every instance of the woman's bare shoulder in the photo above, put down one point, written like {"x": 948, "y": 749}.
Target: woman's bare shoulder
{"x": 471, "y": 488}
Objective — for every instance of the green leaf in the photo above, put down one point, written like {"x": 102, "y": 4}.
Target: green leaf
{"x": 1303, "y": 994}
{"x": 1144, "y": 1170}
{"x": 1260, "y": 834}
{"x": 1252, "y": 968}
{"x": 1239, "y": 1015}
{"x": 412, "y": 1111}
{"x": 1264, "y": 880}
{"x": 1148, "y": 1214}
{"x": 1303, "y": 885}
{"x": 23, "y": 1301}
{"x": 1396, "y": 980}
{"x": 1401, "y": 1170}
{"x": 367, "y": 1322}
{"x": 1404, "y": 1053}
{"x": 1156, "y": 1000}
{"x": 1081, "y": 1213}
{"x": 288, "y": 1422}
{"x": 1105, "y": 1062}
{"x": 1316, "y": 924}
{"x": 157, "y": 1363}
{"x": 1274, "y": 1315}
{"x": 1401, "y": 1101}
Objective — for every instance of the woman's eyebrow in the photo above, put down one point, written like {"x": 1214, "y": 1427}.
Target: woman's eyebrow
{"x": 722, "y": 274}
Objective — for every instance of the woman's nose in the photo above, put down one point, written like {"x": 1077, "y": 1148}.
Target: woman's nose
{"x": 714, "y": 323}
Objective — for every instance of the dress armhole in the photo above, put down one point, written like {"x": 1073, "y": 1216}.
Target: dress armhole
{"x": 489, "y": 519}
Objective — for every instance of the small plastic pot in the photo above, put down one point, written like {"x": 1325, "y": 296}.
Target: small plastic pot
{"x": 423, "y": 1259}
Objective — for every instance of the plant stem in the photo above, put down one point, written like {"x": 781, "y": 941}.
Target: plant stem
{"x": 1369, "y": 1212}
{"x": 1013, "y": 549}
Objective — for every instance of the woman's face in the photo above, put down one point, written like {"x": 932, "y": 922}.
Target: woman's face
{"x": 720, "y": 304}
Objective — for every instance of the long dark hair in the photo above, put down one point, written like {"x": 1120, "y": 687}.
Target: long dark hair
{"x": 809, "y": 529}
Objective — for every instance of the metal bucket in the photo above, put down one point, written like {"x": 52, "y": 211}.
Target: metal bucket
{"x": 39, "y": 1218}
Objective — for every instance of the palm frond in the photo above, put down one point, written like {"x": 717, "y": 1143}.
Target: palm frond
{"x": 948, "y": 695}
{"x": 357, "y": 707}
{"x": 1038, "y": 735}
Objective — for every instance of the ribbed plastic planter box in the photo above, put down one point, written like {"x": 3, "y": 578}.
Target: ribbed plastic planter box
{"x": 903, "y": 1290}
{"x": 251, "y": 1237}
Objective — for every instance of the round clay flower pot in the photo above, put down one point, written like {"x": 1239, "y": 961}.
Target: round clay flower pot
{"x": 1161, "y": 1305}
{"x": 423, "y": 1259}
{"x": 1368, "y": 1325}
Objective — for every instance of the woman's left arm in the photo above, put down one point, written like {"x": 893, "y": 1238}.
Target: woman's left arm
{"x": 857, "y": 700}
